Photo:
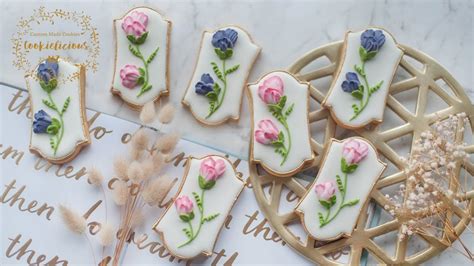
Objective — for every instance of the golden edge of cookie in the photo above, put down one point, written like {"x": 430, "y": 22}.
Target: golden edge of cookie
{"x": 342, "y": 57}
{"x": 186, "y": 172}
{"x": 305, "y": 162}
{"x": 85, "y": 125}
{"x": 225, "y": 119}
{"x": 164, "y": 92}
{"x": 300, "y": 213}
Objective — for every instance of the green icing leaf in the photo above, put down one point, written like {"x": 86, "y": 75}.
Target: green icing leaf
{"x": 66, "y": 104}
{"x": 210, "y": 217}
{"x": 370, "y": 55}
{"x": 340, "y": 185}
{"x": 198, "y": 199}
{"x": 375, "y": 88}
{"x": 187, "y": 232}
{"x": 351, "y": 203}
{"x": 134, "y": 51}
{"x": 232, "y": 69}
{"x": 289, "y": 110}
{"x": 152, "y": 56}
{"x": 49, "y": 104}
{"x": 141, "y": 39}
{"x": 141, "y": 71}
{"x": 187, "y": 217}
{"x": 217, "y": 71}
{"x": 54, "y": 127}
{"x": 321, "y": 218}
{"x": 362, "y": 53}
{"x": 326, "y": 204}
{"x": 357, "y": 94}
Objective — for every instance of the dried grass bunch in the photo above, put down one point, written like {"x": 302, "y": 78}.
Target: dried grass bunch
{"x": 434, "y": 184}
{"x": 139, "y": 181}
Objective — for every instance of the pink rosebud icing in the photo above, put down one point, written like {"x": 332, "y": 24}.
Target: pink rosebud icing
{"x": 324, "y": 191}
{"x": 271, "y": 90}
{"x": 212, "y": 169}
{"x": 129, "y": 75}
{"x": 135, "y": 24}
{"x": 354, "y": 151}
{"x": 267, "y": 132}
{"x": 184, "y": 205}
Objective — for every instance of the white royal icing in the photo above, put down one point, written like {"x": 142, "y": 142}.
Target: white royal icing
{"x": 381, "y": 67}
{"x": 359, "y": 185}
{"x": 220, "y": 199}
{"x": 75, "y": 123}
{"x": 158, "y": 33}
{"x": 300, "y": 153}
{"x": 245, "y": 54}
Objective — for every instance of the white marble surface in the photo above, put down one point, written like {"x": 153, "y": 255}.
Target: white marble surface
{"x": 286, "y": 31}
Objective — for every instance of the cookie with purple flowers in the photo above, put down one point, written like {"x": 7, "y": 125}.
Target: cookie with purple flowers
{"x": 190, "y": 226}
{"x": 332, "y": 204}
{"x": 214, "y": 93}
{"x": 141, "y": 56}
{"x": 57, "y": 95}
{"x": 358, "y": 93}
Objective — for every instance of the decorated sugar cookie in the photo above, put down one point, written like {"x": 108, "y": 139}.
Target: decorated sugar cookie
{"x": 366, "y": 68}
{"x": 280, "y": 133}
{"x": 57, "y": 95}
{"x": 332, "y": 204}
{"x": 209, "y": 189}
{"x": 141, "y": 56}
{"x": 214, "y": 94}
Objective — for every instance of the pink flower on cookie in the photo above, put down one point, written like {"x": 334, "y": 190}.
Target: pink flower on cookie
{"x": 354, "y": 151}
{"x": 135, "y": 24}
{"x": 271, "y": 90}
{"x": 212, "y": 169}
{"x": 325, "y": 191}
{"x": 184, "y": 205}
{"x": 267, "y": 132}
{"x": 130, "y": 76}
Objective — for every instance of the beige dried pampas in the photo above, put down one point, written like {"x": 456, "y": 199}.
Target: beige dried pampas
{"x": 121, "y": 167}
{"x": 158, "y": 161}
{"x": 74, "y": 221}
{"x": 157, "y": 190}
{"x": 147, "y": 114}
{"x": 140, "y": 140}
{"x": 135, "y": 172}
{"x": 137, "y": 218}
{"x": 167, "y": 143}
{"x": 120, "y": 192}
{"x": 166, "y": 113}
{"x": 106, "y": 234}
{"x": 95, "y": 177}
{"x": 147, "y": 167}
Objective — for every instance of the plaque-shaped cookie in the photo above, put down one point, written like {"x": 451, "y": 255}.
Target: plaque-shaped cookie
{"x": 57, "y": 95}
{"x": 280, "y": 137}
{"x": 141, "y": 56}
{"x": 214, "y": 93}
{"x": 358, "y": 93}
{"x": 190, "y": 226}
{"x": 331, "y": 206}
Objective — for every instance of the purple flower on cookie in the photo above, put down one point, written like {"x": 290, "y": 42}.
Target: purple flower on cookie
{"x": 205, "y": 85}
{"x": 351, "y": 83}
{"x": 224, "y": 39}
{"x": 41, "y": 122}
{"x": 372, "y": 40}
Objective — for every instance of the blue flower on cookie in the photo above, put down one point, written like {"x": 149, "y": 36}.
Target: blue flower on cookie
{"x": 41, "y": 122}
{"x": 47, "y": 73}
{"x": 371, "y": 41}
{"x": 351, "y": 83}
{"x": 205, "y": 85}
{"x": 223, "y": 42}
{"x": 224, "y": 39}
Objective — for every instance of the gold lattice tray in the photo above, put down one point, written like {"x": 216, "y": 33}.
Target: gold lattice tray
{"x": 417, "y": 72}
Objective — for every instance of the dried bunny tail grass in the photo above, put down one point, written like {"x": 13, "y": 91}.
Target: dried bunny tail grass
{"x": 74, "y": 221}
{"x": 140, "y": 140}
{"x": 106, "y": 234}
{"x": 95, "y": 177}
{"x": 158, "y": 161}
{"x": 148, "y": 167}
{"x": 121, "y": 167}
{"x": 135, "y": 172}
{"x": 166, "y": 113}
{"x": 156, "y": 191}
{"x": 167, "y": 143}
{"x": 137, "y": 218}
{"x": 120, "y": 193}
{"x": 147, "y": 114}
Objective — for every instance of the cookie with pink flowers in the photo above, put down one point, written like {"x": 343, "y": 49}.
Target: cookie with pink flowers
{"x": 141, "y": 56}
{"x": 190, "y": 226}
{"x": 280, "y": 137}
{"x": 332, "y": 204}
